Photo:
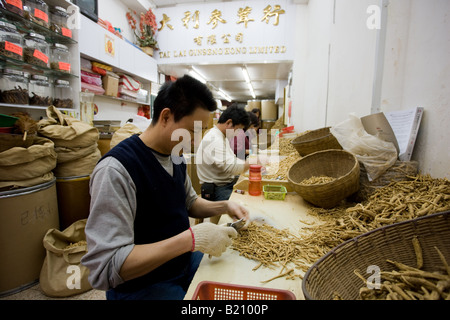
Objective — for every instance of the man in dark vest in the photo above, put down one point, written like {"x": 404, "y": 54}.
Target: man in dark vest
{"x": 140, "y": 243}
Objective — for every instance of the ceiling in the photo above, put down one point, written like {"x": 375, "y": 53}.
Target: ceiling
{"x": 171, "y": 3}
{"x": 265, "y": 77}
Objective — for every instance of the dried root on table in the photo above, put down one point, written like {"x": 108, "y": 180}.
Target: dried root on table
{"x": 282, "y": 167}
{"x": 270, "y": 247}
{"x": 399, "y": 201}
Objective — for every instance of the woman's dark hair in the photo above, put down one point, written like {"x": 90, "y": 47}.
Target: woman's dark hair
{"x": 256, "y": 111}
{"x": 253, "y": 119}
{"x": 237, "y": 114}
{"x": 182, "y": 97}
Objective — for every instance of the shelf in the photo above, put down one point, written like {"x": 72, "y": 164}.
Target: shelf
{"x": 11, "y": 63}
{"x": 25, "y": 25}
{"x": 127, "y": 59}
{"x": 11, "y": 105}
{"x": 120, "y": 99}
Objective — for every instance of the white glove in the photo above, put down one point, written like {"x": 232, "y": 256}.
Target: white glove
{"x": 212, "y": 239}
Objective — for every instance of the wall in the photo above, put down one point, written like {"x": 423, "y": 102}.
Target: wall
{"x": 114, "y": 12}
{"x": 334, "y": 63}
{"x": 417, "y": 73}
{"x": 335, "y": 68}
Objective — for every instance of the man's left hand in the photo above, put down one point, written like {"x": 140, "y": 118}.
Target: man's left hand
{"x": 236, "y": 211}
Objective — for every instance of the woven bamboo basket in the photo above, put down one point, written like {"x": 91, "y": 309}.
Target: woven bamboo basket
{"x": 338, "y": 164}
{"x": 334, "y": 272}
{"x": 316, "y": 140}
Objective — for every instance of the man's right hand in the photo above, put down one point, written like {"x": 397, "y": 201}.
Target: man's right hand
{"x": 212, "y": 239}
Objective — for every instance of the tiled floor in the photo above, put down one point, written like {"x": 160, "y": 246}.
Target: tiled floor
{"x": 35, "y": 293}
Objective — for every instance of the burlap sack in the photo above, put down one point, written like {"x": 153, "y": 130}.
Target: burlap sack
{"x": 66, "y": 131}
{"x": 20, "y": 163}
{"x": 79, "y": 167}
{"x": 47, "y": 177}
{"x": 62, "y": 274}
{"x": 72, "y": 154}
{"x": 123, "y": 133}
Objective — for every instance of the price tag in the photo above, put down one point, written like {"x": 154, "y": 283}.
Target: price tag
{"x": 41, "y": 56}
{"x": 67, "y": 32}
{"x": 64, "y": 66}
{"x": 15, "y": 3}
{"x": 13, "y": 48}
{"x": 41, "y": 15}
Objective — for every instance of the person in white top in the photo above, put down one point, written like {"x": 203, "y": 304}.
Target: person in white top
{"x": 217, "y": 165}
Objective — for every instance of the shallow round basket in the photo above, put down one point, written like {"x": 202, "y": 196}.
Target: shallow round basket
{"x": 334, "y": 273}
{"x": 316, "y": 140}
{"x": 338, "y": 164}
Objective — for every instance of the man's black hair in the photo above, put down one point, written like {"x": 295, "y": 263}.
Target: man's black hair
{"x": 237, "y": 114}
{"x": 182, "y": 97}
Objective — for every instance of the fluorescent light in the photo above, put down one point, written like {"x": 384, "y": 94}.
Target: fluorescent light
{"x": 197, "y": 75}
{"x": 247, "y": 79}
{"x": 223, "y": 94}
{"x": 250, "y": 87}
{"x": 245, "y": 73}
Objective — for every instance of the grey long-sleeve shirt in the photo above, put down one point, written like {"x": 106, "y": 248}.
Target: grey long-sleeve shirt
{"x": 109, "y": 229}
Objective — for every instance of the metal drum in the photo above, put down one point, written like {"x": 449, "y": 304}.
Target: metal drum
{"x": 26, "y": 215}
{"x": 73, "y": 199}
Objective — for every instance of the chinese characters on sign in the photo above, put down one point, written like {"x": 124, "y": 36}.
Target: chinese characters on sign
{"x": 207, "y": 27}
{"x": 216, "y": 17}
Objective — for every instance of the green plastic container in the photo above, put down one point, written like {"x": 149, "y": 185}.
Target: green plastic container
{"x": 274, "y": 192}
{"x": 7, "y": 121}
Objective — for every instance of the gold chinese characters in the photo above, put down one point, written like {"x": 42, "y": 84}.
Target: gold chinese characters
{"x": 215, "y": 17}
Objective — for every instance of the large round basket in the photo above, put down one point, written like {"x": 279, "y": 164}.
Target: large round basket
{"x": 316, "y": 140}
{"x": 334, "y": 273}
{"x": 338, "y": 164}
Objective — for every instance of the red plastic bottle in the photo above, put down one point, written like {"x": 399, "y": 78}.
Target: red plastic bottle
{"x": 254, "y": 180}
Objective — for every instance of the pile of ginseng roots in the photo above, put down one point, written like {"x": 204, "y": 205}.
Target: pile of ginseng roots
{"x": 295, "y": 252}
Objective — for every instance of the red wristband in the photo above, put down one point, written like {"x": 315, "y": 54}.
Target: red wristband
{"x": 193, "y": 240}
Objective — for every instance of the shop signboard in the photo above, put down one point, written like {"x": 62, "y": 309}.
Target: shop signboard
{"x": 237, "y": 31}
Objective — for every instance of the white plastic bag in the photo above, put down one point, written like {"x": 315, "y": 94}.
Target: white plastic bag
{"x": 376, "y": 155}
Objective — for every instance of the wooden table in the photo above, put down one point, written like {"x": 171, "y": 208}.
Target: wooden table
{"x": 232, "y": 268}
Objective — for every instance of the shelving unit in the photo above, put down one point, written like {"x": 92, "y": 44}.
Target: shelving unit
{"x": 23, "y": 25}
{"x": 26, "y": 106}
{"x": 127, "y": 59}
{"x": 121, "y": 100}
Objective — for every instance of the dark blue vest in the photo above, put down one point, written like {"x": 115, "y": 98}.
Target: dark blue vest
{"x": 161, "y": 205}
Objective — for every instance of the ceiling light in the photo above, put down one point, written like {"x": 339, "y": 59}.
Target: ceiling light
{"x": 247, "y": 79}
{"x": 245, "y": 73}
{"x": 223, "y": 94}
{"x": 250, "y": 87}
{"x": 197, "y": 75}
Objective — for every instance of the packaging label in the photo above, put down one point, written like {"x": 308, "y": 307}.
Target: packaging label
{"x": 41, "y": 15}
{"x": 13, "y": 48}
{"x": 64, "y": 66}
{"x": 67, "y": 32}
{"x": 15, "y": 3}
{"x": 41, "y": 56}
